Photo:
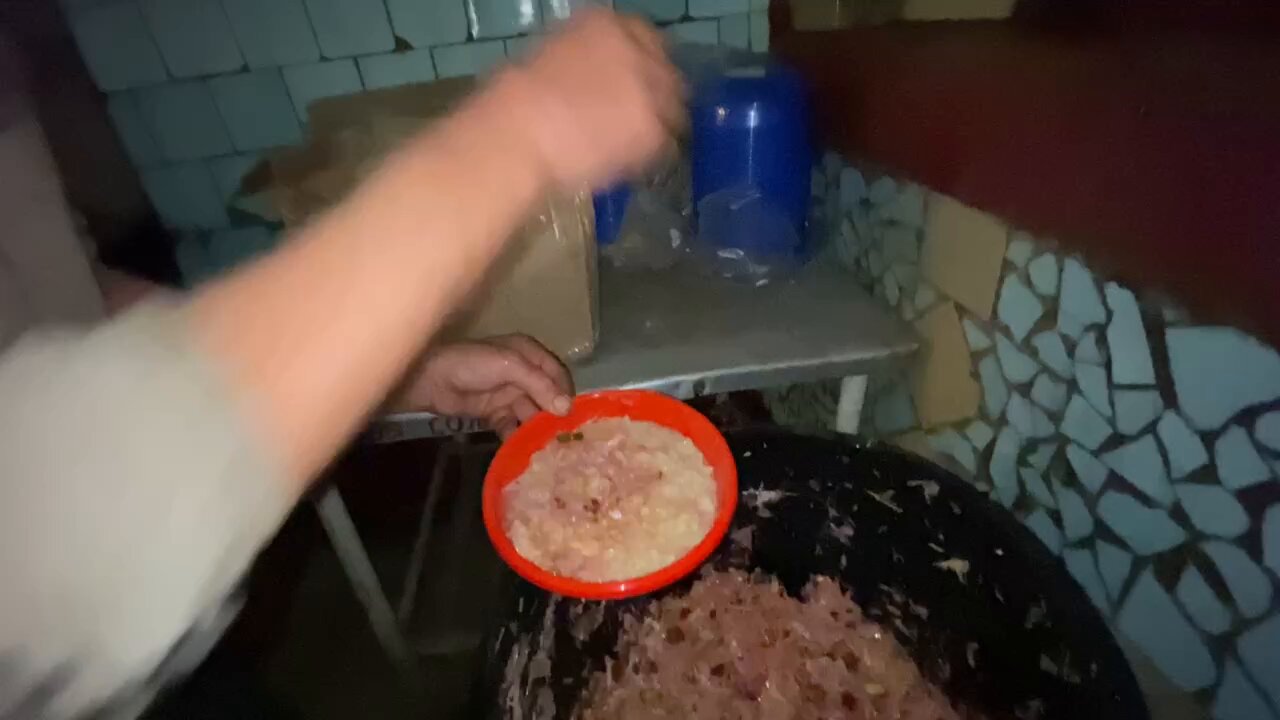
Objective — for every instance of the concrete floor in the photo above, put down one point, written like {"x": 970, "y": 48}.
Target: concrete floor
{"x": 302, "y": 648}
{"x": 332, "y": 666}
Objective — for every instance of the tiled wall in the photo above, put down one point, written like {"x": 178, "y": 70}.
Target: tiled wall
{"x": 199, "y": 89}
{"x": 1140, "y": 447}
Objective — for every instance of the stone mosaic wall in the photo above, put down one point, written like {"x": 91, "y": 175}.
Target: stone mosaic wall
{"x": 1142, "y": 448}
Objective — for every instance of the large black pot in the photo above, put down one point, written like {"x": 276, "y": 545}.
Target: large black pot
{"x": 1038, "y": 646}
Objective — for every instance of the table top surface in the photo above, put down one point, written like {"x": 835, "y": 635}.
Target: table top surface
{"x": 689, "y": 335}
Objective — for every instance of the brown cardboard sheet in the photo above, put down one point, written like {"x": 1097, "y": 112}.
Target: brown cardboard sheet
{"x": 545, "y": 283}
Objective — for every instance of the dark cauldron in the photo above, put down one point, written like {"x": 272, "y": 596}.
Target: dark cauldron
{"x": 1011, "y": 635}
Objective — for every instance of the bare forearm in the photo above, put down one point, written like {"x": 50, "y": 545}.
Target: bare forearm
{"x": 315, "y": 334}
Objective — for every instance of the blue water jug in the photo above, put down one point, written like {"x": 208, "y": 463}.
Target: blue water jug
{"x": 751, "y": 133}
{"x": 610, "y": 206}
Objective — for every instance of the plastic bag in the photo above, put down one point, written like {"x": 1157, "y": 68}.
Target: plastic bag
{"x": 656, "y": 223}
{"x": 742, "y": 235}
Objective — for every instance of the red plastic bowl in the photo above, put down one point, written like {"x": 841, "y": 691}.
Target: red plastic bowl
{"x": 513, "y": 458}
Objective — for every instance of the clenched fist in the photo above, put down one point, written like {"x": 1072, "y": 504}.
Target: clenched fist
{"x": 598, "y": 100}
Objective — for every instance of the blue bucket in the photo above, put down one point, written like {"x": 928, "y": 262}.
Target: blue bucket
{"x": 751, "y": 129}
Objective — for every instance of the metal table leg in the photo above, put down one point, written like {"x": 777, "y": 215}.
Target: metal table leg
{"x": 452, "y": 560}
{"x": 853, "y": 392}
{"x": 413, "y": 573}
{"x": 355, "y": 562}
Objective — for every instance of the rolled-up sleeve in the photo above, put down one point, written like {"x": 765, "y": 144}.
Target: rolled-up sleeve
{"x": 133, "y": 497}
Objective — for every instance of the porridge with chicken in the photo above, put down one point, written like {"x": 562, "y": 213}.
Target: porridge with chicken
{"x": 613, "y": 500}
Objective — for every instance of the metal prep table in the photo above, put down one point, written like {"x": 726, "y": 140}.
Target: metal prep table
{"x": 682, "y": 334}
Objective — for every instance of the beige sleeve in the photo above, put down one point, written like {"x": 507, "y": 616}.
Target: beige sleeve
{"x": 132, "y": 500}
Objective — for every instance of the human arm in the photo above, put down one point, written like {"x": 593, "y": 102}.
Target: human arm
{"x": 314, "y": 334}
{"x": 147, "y": 460}
{"x": 503, "y": 380}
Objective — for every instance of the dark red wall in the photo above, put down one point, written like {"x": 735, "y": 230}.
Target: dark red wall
{"x": 1156, "y": 153}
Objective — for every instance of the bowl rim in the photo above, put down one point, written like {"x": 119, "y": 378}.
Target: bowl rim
{"x": 513, "y": 458}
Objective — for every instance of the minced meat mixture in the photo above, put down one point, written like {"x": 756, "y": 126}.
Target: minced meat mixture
{"x": 737, "y": 646}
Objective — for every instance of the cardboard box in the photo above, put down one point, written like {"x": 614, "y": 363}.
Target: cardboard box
{"x": 545, "y": 283}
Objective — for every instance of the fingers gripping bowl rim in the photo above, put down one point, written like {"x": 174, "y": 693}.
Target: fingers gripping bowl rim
{"x": 513, "y": 458}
